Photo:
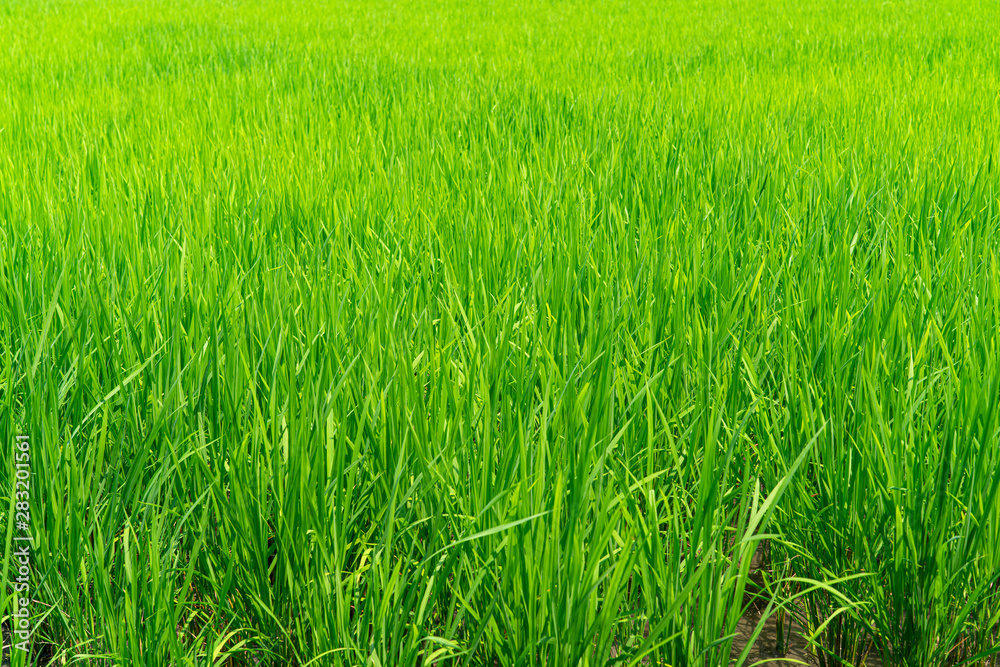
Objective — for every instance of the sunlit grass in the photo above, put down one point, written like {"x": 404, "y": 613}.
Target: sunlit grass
{"x": 501, "y": 334}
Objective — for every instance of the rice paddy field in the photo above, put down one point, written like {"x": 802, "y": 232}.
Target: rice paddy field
{"x": 481, "y": 333}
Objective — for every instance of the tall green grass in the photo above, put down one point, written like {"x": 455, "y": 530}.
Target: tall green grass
{"x": 501, "y": 333}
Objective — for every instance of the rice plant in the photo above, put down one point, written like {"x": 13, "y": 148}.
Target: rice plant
{"x": 482, "y": 334}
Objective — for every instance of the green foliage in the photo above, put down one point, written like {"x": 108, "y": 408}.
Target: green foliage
{"x": 452, "y": 333}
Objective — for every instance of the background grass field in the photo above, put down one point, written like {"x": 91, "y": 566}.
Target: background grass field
{"x": 501, "y": 333}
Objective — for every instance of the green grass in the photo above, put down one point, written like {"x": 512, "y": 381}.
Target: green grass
{"x": 481, "y": 333}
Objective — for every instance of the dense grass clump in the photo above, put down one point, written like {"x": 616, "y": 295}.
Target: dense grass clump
{"x": 455, "y": 333}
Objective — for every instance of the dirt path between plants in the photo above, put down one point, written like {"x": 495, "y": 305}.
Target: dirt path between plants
{"x": 764, "y": 648}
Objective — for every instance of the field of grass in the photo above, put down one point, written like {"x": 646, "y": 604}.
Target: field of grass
{"x": 453, "y": 332}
